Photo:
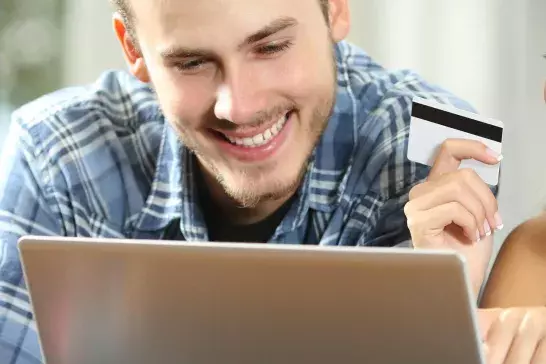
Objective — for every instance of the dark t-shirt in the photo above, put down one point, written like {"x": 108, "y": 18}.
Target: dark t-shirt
{"x": 220, "y": 230}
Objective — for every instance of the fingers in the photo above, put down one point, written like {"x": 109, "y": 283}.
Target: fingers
{"x": 529, "y": 335}
{"x": 464, "y": 187}
{"x": 501, "y": 335}
{"x": 453, "y": 151}
{"x": 486, "y": 319}
{"x": 492, "y": 219}
{"x": 434, "y": 220}
{"x": 516, "y": 335}
{"x": 540, "y": 354}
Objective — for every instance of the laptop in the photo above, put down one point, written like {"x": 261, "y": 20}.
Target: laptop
{"x": 140, "y": 302}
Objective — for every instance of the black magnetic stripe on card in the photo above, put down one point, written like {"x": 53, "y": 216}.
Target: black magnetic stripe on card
{"x": 458, "y": 122}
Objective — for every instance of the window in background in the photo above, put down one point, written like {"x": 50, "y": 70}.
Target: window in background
{"x": 31, "y": 38}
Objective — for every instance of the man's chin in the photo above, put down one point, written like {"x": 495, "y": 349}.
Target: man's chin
{"x": 247, "y": 197}
{"x": 266, "y": 189}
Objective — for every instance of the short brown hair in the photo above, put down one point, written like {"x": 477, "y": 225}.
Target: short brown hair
{"x": 122, "y": 7}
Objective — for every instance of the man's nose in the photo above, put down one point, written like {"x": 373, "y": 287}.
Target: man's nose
{"x": 222, "y": 109}
{"x": 241, "y": 97}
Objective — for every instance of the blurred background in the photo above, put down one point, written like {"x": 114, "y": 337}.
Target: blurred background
{"x": 488, "y": 52}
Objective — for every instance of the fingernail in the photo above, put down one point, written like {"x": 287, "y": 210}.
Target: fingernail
{"x": 487, "y": 228}
{"x": 498, "y": 221}
{"x": 495, "y": 155}
{"x": 478, "y": 236}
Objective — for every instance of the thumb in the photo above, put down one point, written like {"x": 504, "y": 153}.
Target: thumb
{"x": 453, "y": 151}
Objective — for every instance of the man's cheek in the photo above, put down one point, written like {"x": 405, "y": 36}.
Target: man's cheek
{"x": 304, "y": 85}
{"x": 309, "y": 78}
{"x": 184, "y": 102}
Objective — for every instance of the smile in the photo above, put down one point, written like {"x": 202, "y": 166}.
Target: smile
{"x": 261, "y": 138}
{"x": 256, "y": 145}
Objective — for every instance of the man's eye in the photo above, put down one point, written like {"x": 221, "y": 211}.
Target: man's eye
{"x": 274, "y": 48}
{"x": 194, "y": 65}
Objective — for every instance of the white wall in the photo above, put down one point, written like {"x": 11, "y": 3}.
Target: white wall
{"x": 525, "y": 174}
{"x": 486, "y": 51}
{"x": 91, "y": 46}
{"x": 449, "y": 42}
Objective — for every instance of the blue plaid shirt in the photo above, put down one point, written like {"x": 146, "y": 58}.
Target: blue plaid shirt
{"x": 100, "y": 161}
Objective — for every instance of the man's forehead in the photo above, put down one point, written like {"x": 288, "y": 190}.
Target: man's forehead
{"x": 182, "y": 8}
{"x": 206, "y": 15}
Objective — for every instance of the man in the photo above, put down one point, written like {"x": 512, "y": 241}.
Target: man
{"x": 242, "y": 121}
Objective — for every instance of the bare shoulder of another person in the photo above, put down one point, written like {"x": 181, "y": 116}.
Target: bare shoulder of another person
{"x": 517, "y": 277}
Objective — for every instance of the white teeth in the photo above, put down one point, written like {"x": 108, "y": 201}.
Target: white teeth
{"x": 263, "y": 138}
{"x": 258, "y": 139}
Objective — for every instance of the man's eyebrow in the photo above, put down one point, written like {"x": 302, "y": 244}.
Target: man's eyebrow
{"x": 183, "y": 52}
{"x": 270, "y": 29}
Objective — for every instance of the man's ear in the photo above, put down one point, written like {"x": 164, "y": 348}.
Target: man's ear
{"x": 134, "y": 58}
{"x": 339, "y": 18}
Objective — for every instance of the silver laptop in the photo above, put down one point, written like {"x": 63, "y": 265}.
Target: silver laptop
{"x": 125, "y": 301}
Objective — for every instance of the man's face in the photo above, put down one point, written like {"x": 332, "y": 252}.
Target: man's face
{"x": 274, "y": 59}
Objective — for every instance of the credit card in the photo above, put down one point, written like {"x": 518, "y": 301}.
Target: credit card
{"x": 432, "y": 123}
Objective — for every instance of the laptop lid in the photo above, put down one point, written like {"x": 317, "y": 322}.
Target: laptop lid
{"x": 125, "y": 301}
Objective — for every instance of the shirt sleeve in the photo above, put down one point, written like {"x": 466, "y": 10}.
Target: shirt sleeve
{"x": 24, "y": 210}
{"x": 392, "y": 175}
{"x": 391, "y": 227}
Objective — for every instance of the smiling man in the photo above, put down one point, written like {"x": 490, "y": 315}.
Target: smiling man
{"x": 242, "y": 121}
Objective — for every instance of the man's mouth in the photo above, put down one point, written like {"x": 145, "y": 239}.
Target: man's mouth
{"x": 259, "y": 139}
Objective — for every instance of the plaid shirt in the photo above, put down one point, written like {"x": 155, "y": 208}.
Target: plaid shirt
{"x": 100, "y": 161}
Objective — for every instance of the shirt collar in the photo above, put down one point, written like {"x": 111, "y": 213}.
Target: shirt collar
{"x": 332, "y": 158}
{"x": 173, "y": 194}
